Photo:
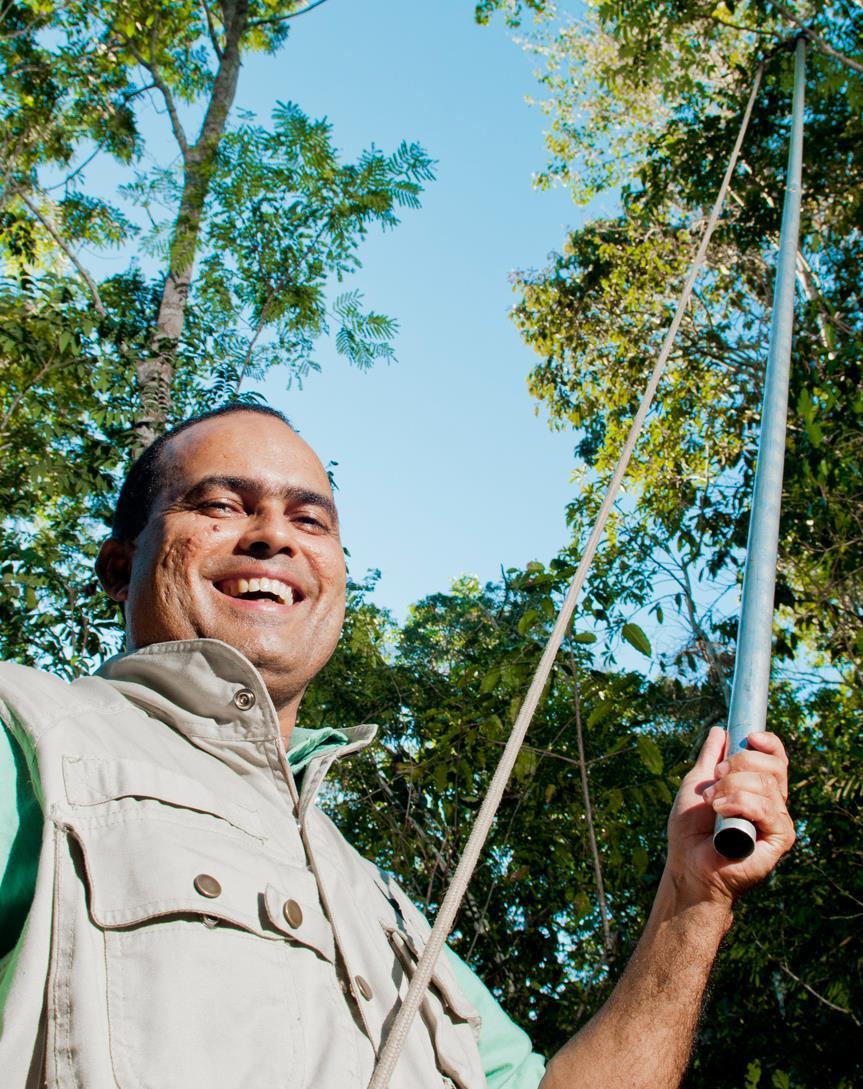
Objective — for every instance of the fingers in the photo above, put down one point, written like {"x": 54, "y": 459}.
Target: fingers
{"x": 753, "y": 783}
{"x": 711, "y": 753}
{"x": 739, "y": 788}
{"x": 765, "y": 756}
{"x": 764, "y": 741}
{"x": 766, "y": 811}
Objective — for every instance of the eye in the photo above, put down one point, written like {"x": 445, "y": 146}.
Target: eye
{"x": 218, "y": 506}
{"x": 311, "y": 520}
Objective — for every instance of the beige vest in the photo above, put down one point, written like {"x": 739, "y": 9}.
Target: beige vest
{"x": 196, "y": 924}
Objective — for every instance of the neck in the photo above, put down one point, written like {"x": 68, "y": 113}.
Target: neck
{"x": 287, "y": 708}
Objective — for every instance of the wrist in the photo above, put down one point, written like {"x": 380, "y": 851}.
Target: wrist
{"x": 680, "y": 898}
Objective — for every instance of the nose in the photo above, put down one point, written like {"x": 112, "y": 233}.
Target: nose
{"x": 268, "y": 533}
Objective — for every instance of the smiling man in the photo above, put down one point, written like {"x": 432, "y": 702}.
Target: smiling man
{"x": 176, "y": 910}
{"x": 209, "y": 512}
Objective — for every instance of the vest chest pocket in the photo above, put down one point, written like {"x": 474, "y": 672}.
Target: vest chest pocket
{"x": 209, "y": 946}
{"x": 453, "y": 1023}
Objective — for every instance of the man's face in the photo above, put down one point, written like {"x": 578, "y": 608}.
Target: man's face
{"x": 244, "y": 499}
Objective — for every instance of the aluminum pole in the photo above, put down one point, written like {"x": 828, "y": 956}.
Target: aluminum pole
{"x": 735, "y": 837}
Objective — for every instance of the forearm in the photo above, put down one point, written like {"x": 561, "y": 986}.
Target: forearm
{"x": 642, "y": 1037}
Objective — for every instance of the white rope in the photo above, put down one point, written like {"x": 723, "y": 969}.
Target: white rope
{"x": 479, "y": 833}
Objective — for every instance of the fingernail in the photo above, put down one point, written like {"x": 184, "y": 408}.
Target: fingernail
{"x": 722, "y": 767}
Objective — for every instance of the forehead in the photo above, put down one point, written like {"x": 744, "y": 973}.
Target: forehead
{"x": 244, "y": 444}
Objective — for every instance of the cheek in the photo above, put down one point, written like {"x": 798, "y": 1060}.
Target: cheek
{"x": 175, "y": 566}
{"x": 331, "y": 565}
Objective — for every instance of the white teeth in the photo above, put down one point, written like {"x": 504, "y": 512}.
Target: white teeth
{"x": 279, "y": 589}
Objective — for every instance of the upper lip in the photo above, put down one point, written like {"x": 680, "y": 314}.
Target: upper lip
{"x": 249, "y": 573}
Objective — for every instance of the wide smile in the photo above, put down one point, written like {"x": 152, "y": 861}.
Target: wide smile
{"x": 259, "y": 593}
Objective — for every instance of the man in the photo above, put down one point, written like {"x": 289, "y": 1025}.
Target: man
{"x": 195, "y": 920}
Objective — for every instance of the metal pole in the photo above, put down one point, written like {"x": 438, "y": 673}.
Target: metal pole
{"x": 735, "y": 837}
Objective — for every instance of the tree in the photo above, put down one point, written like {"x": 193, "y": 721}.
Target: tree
{"x": 598, "y": 311}
{"x": 244, "y": 235}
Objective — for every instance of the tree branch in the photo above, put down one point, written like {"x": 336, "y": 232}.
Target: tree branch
{"x": 46, "y": 368}
{"x": 588, "y": 814}
{"x": 815, "y": 994}
{"x": 816, "y": 39}
{"x": 64, "y": 246}
{"x": 126, "y": 99}
{"x": 211, "y": 30}
{"x": 273, "y": 19}
{"x": 740, "y": 26}
{"x": 809, "y": 285}
{"x": 703, "y": 639}
{"x": 170, "y": 104}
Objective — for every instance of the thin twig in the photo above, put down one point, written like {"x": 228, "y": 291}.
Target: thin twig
{"x": 55, "y": 234}
{"x": 815, "y": 994}
{"x": 126, "y": 99}
{"x": 556, "y": 755}
{"x": 274, "y": 19}
{"x": 588, "y": 813}
{"x": 17, "y": 400}
{"x": 211, "y": 29}
{"x": 167, "y": 96}
{"x": 713, "y": 662}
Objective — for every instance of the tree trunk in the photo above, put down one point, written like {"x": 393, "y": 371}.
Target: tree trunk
{"x": 155, "y": 374}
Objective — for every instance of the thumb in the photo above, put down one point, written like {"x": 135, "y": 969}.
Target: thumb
{"x": 711, "y": 753}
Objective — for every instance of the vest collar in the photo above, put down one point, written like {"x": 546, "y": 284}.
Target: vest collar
{"x": 206, "y": 690}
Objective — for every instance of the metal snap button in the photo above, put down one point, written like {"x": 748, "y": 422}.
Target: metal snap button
{"x": 207, "y": 886}
{"x": 293, "y": 913}
{"x": 244, "y": 699}
{"x": 364, "y": 987}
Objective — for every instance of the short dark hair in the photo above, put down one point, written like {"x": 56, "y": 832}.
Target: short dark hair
{"x": 146, "y": 476}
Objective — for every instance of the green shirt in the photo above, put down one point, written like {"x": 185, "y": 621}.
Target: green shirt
{"x": 507, "y": 1056}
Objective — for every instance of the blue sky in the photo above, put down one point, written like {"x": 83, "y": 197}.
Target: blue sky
{"x": 443, "y": 467}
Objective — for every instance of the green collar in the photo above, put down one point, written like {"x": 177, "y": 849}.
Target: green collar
{"x": 306, "y": 744}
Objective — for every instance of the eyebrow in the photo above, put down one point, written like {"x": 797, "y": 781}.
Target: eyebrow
{"x": 244, "y": 484}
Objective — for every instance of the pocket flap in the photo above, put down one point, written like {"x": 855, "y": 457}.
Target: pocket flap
{"x": 140, "y": 868}
{"x": 443, "y": 978}
{"x": 298, "y": 916}
{"x": 92, "y": 781}
{"x": 446, "y": 1012}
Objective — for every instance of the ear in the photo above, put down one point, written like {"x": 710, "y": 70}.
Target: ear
{"x": 114, "y": 568}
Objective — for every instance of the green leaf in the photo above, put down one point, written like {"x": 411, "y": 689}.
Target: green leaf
{"x": 584, "y": 637}
{"x": 649, "y": 753}
{"x": 636, "y": 638}
{"x": 490, "y": 680}
{"x": 600, "y": 712}
{"x": 753, "y": 1075}
{"x": 614, "y": 800}
{"x": 527, "y": 621}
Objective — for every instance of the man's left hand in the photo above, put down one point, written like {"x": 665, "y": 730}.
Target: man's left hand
{"x": 753, "y": 783}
